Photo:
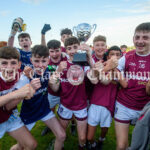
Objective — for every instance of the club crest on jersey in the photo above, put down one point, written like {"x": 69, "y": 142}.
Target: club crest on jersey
{"x": 141, "y": 65}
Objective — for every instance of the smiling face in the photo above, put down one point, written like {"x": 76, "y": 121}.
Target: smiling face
{"x": 9, "y": 68}
{"x": 141, "y": 41}
{"x": 25, "y": 43}
{"x": 55, "y": 54}
{"x": 99, "y": 47}
{"x": 40, "y": 64}
{"x": 71, "y": 50}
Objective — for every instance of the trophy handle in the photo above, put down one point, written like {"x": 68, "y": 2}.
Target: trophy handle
{"x": 75, "y": 30}
{"x": 94, "y": 28}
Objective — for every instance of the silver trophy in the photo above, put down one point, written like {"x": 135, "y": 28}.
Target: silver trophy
{"x": 83, "y": 32}
{"x": 18, "y": 25}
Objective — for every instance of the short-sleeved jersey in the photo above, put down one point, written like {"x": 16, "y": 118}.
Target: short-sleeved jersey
{"x": 38, "y": 106}
{"x": 72, "y": 97}
{"x": 5, "y": 88}
{"x": 137, "y": 69}
{"x": 25, "y": 58}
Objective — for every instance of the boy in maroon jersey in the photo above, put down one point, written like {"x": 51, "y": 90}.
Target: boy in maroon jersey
{"x": 57, "y": 54}
{"x": 56, "y": 57}
{"x": 123, "y": 49}
{"x": 132, "y": 99}
{"x": 65, "y": 33}
{"x": 102, "y": 104}
{"x": 99, "y": 47}
{"x": 12, "y": 92}
{"x": 73, "y": 98}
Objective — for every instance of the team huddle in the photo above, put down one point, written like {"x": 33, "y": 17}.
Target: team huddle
{"x": 115, "y": 85}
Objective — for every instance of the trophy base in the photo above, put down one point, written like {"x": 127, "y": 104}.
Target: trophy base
{"x": 80, "y": 59}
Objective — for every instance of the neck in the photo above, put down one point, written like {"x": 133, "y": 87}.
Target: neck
{"x": 145, "y": 53}
{"x": 99, "y": 56}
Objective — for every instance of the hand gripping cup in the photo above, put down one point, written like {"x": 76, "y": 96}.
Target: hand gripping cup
{"x": 83, "y": 32}
{"x": 75, "y": 75}
{"x": 18, "y": 25}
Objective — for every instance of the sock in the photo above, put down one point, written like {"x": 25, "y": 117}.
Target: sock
{"x": 101, "y": 139}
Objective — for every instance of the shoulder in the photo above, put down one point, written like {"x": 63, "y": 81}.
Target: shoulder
{"x": 22, "y": 81}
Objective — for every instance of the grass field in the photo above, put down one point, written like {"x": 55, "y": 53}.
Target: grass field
{"x": 71, "y": 142}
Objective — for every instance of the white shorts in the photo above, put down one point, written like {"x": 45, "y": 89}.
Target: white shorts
{"x": 13, "y": 123}
{"x": 124, "y": 114}
{"x": 53, "y": 100}
{"x": 67, "y": 114}
{"x": 47, "y": 117}
{"x": 99, "y": 115}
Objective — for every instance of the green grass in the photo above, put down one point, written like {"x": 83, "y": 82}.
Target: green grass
{"x": 71, "y": 142}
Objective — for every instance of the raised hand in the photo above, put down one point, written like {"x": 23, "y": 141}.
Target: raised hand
{"x": 28, "y": 71}
{"x": 45, "y": 28}
{"x": 111, "y": 63}
{"x": 62, "y": 66}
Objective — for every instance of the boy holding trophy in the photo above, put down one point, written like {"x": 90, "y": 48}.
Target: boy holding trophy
{"x": 24, "y": 42}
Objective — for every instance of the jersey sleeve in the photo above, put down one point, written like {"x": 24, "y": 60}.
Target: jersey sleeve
{"x": 22, "y": 81}
{"x": 121, "y": 64}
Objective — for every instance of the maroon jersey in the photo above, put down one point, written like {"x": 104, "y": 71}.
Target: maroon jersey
{"x": 105, "y": 95}
{"x": 63, "y": 49}
{"x": 95, "y": 58}
{"x": 89, "y": 85}
{"x": 130, "y": 52}
{"x": 50, "y": 91}
{"x": 5, "y": 88}
{"x": 136, "y": 69}
{"x": 72, "y": 97}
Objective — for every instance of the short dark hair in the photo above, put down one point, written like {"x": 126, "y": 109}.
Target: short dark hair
{"x": 40, "y": 51}
{"x": 123, "y": 46}
{"x": 112, "y": 48}
{"x": 9, "y": 53}
{"x": 53, "y": 44}
{"x": 70, "y": 41}
{"x": 143, "y": 27}
{"x": 66, "y": 31}
{"x": 24, "y": 35}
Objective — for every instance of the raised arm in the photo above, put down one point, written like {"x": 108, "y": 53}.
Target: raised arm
{"x": 45, "y": 28}
{"x": 15, "y": 27}
{"x": 10, "y": 100}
